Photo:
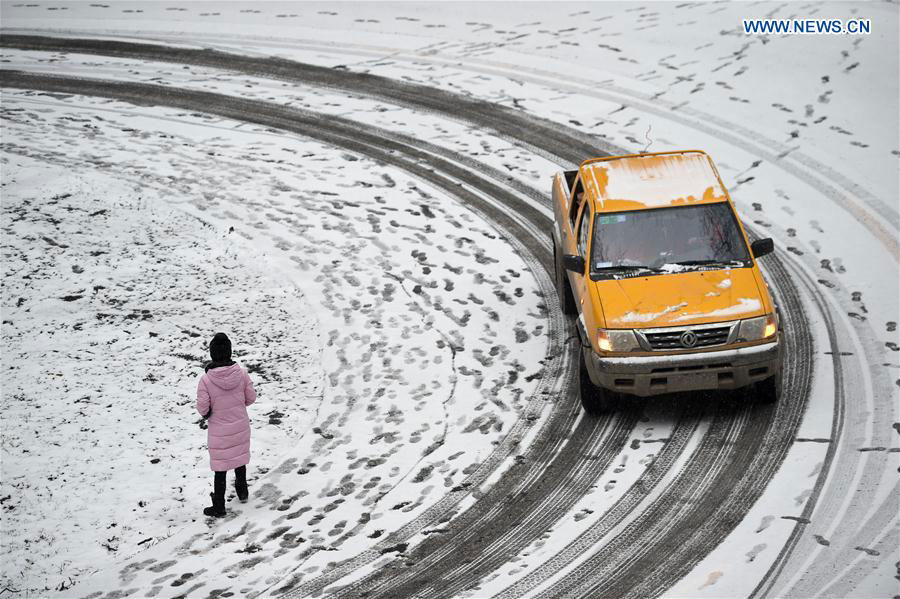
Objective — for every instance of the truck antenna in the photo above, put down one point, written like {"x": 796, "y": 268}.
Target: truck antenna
{"x": 649, "y": 141}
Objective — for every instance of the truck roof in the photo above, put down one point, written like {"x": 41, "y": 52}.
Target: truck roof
{"x": 640, "y": 181}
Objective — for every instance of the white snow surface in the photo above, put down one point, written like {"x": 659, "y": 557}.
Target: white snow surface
{"x": 745, "y": 305}
{"x": 644, "y": 317}
{"x": 803, "y": 129}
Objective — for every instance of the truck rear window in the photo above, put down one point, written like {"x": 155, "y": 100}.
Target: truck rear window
{"x": 668, "y": 240}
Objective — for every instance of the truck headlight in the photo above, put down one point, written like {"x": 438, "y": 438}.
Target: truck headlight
{"x": 617, "y": 340}
{"x": 755, "y": 329}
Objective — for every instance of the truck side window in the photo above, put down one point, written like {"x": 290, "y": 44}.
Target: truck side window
{"x": 584, "y": 228}
{"x": 575, "y": 201}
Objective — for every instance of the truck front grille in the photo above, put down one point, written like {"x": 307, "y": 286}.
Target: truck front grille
{"x": 671, "y": 339}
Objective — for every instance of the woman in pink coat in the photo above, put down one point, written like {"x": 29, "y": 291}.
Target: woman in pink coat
{"x": 223, "y": 395}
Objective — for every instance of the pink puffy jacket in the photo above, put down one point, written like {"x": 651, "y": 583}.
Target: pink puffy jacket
{"x": 228, "y": 390}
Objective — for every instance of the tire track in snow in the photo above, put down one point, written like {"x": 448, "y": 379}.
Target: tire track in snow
{"x": 618, "y": 512}
{"x": 646, "y": 540}
{"x": 504, "y": 520}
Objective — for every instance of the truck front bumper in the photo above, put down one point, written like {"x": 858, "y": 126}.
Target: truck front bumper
{"x": 654, "y": 375}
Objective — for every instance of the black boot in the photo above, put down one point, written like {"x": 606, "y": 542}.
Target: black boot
{"x": 240, "y": 483}
{"x": 217, "y": 509}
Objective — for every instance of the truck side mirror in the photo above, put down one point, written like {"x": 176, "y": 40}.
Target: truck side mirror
{"x": 761, "y": 247}
{"x": 574, "y": 263}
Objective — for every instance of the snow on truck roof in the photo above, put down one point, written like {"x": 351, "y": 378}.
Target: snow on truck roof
{"x": 644, "y": 181}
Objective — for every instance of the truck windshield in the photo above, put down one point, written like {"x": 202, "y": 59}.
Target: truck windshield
{"x": 668, "y": 240}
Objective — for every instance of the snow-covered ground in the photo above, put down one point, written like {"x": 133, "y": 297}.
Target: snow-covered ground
{"x": 109, "y": 296}
{"x": 397, "y": 276}
{"x": 395, "y": 337}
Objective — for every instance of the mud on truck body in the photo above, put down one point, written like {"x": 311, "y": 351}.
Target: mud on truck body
{"x": 652, "y": 258}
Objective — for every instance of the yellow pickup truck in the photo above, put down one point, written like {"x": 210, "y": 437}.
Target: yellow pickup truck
{"x": 652, "y": 258}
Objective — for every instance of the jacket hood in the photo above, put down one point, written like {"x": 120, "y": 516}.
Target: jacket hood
{"x": 681, "y": 299}
{"x": 226, "y": 377}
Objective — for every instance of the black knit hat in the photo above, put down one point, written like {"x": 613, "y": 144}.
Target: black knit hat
{"x": 220, "y": 348}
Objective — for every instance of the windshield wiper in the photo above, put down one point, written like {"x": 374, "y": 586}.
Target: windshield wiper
{"x": 625, "y": 267}
{"x": 707, "y": 262}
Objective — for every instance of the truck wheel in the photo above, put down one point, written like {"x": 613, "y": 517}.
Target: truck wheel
{"x": 594, "y": 400}
{"x": 769, "y": 390}
{"x": 563, "y": 289}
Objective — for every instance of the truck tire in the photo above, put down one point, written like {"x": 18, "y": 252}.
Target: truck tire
{"x": 769, "y": 390}
{"x": 563, "y": 289}
{"x": 594, "y": 400}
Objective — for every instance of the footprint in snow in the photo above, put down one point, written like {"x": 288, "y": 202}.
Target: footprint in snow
{"x": 751, "y": 555}
{"x": 711, "y": 580}
{"x": 765, "y": 523}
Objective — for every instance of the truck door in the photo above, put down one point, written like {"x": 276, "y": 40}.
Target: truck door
{"x": 560, "y": 209}
{"x": 562, "y": 204}
{"x": 581, "y": 235}
{"x": 567, "y": 224}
